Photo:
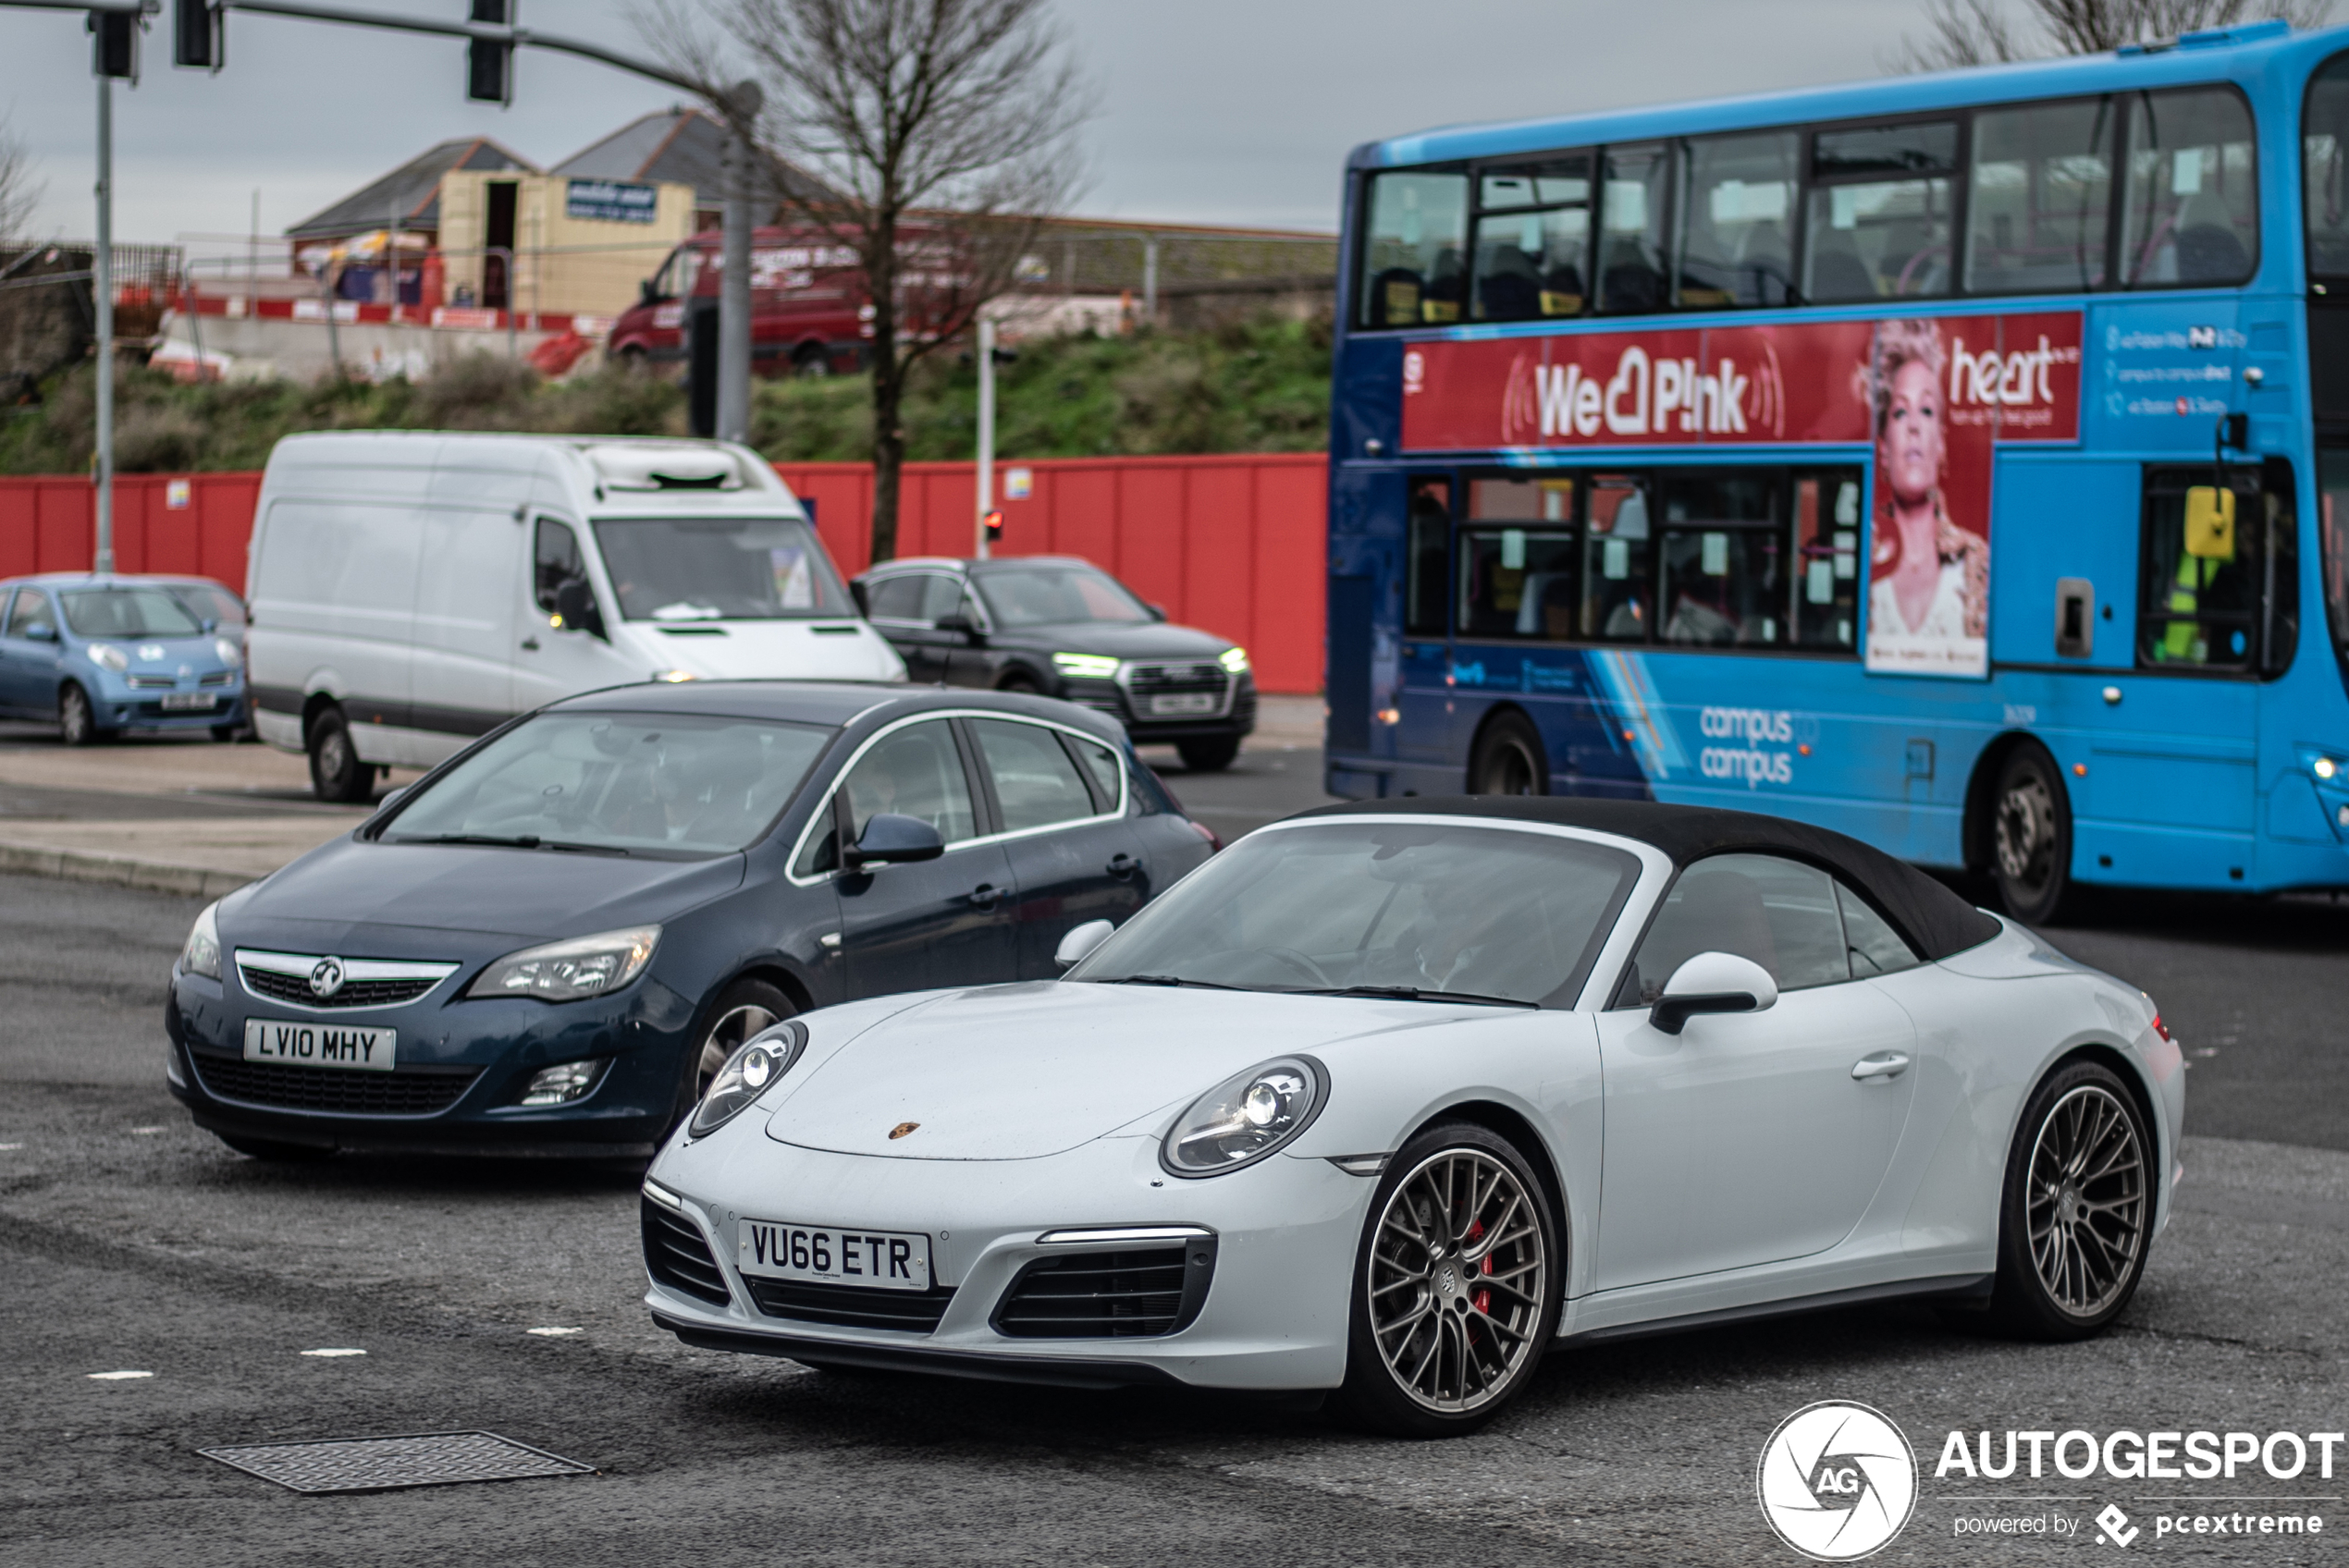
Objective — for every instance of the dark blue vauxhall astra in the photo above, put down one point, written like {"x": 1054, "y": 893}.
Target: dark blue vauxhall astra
{"x": 552, "y": 942}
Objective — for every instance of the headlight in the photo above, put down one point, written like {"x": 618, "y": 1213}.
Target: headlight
{"x": 1086, "y": 667}
{"x": 564, "y": 972}
{"x": 201, "y": 955}
{"x": 1245, "y": 1117}
{"x": 752, "y": 1070}
{"x": 230, "y": 654}
{"x": 1234, "y": 660}
{"x": 107, "y": 654}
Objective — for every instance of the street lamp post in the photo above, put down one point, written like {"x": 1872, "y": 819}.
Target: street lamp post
{"x": 102, "y": 282}
{"x": 733, "y": 280}
{"x": 986, "y": 430}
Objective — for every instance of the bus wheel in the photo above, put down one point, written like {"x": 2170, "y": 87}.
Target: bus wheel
{"x": 2031, "y": 836}
{"x": 1509, "y": 760}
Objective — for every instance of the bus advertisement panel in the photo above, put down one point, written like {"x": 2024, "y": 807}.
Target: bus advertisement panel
{"x": 1933, "y": 395}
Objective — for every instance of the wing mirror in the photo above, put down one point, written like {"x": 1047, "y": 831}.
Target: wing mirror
{"x": 40, "y": 632}
{"x": 1078, "y": 945}
{"x": 890, "y": 840}
{"x": 390, "y": 797}
{"x": 1712, "y": 982}
{"x": 575, "y": 601}
{"x": 959, "y": 622}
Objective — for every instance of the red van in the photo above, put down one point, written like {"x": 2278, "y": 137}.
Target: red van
{"x": 808, "y": 311}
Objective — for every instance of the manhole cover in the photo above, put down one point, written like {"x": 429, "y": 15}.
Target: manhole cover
{"x": 423, "y": 1459}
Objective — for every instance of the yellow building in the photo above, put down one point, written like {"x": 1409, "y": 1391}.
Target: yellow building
{"x": 579, "y": 246}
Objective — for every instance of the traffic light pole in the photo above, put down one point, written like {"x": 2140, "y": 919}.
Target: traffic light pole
{"x": 986, "y": 430}
{"x": 102, "y": 265}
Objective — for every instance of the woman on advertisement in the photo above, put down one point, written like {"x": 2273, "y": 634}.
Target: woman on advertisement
{"x": 1929, "y": 578}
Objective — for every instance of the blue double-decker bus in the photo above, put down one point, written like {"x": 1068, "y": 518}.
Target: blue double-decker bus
{"x": 1952, "y": 460}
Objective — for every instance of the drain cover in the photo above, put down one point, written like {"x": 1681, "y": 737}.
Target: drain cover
{"x": 421, "y": 1459}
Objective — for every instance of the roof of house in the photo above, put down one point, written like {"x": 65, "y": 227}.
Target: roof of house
{"x": 409, "y": 193}
{"x": 686, "y": 146}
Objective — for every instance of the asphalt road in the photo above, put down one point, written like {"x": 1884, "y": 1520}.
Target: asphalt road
{"x": 131, "y": 1241}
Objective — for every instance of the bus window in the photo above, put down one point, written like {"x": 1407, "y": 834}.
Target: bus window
{"x": 2332, "y": 525}
{"x": 1827, "y": 560}
{"x": 2190, "y": 212}
{"x": 1618, "y": 570}
{"x": 2324, "y": 169}
{"x": 1517, "y": 559}
{"x": 2041, "y": 198}
{"x": 1737, "y": 220}
{"x": 1632, "y": 249}
{"x": 1532, "y": 240}
{"x": 1880, "y": 222}
{"x": 1412, "y": 270}
{"x": 2203, "y": 573}
{"x": 1724, "y": 557}
{"x": 1430, "y": 546}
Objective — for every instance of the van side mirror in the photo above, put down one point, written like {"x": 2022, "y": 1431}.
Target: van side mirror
{"x": 1713, "y": 982}
{"x": 648, "y": 292}
{"x": 1078, "y": 945}
{"x": 575, "y": 603}
{"x": 890, "y": 840}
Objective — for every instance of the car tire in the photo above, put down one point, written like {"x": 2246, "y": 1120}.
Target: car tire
{"x": 1213, "y": 753}
{"x": 2031, "y": 838}
{"x": 2075, "y": 1217}
{"x": 228, "y": 734}
{"x": 335, "y": 772}
{"x": 811, "y": 363}
{"x": 1411, "y": 1355}
{"x": 1508, "y": 759}
{"x": 272, "y": 1150}
{"x": 77, "y": 720}
{"x": 740, "y": 1010}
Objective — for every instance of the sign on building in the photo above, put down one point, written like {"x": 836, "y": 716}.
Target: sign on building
{"x": 611, "y": 201}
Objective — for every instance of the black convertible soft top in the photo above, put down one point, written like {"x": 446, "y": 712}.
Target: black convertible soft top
{"x": 1935, "y": 920}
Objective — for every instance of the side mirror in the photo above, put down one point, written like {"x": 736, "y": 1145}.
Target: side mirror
{"x": 1078, "y": 945}
{"x": 961, "y": 624}
{"x": 1712, "y": 982}
{"x": 863, "y": 602}
{"x": 1158, "y": 612}
{"x": 391, "y": 795}
{"x": 209, "y": 625}
{"x": 890, "y": 840}
{"x": 41, "y": 632}
{"x": 648, "y": 292}
{"x": 575, "y": 601}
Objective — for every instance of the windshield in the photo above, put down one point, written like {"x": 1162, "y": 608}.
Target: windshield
{"x": 637, "y": 783}
{"x": 127, "y": 612}
{"x": 206, "y": 602}
{"x": 720, "y": 568}
{"x": 1054, "y": 596}
{"x": 1428, "y": 907}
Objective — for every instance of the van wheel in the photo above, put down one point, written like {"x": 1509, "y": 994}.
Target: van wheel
{"x": 335, "y": 772}
{"x": 1508, "y": 759}
{"x": 811, "y": 363}
{"x": 2031, "y": 838}
{"x": 76, "y": 721}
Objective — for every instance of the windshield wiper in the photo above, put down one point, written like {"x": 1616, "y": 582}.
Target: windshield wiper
{"x": 1170, "y": 980}
{"x": 518, "y": 842}
{"x": 1419, "y": 994}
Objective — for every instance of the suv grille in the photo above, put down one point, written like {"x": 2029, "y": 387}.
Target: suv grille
{"x": 676, "y": 1255}
{"x": 847, "y": 1307}
{"x": 354, "y": 992}
{"x": 413, "y": 1091}
{"x": 1151, "y": 680}
{"x": 1102, "y": 1295}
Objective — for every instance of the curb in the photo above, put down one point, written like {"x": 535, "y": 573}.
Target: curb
{"x": 81, "y": 865}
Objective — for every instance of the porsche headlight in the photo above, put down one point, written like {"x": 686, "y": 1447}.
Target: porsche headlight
{"x": 564, "y": 972}
{"x": 109, "y": 656}
{"x": 201, "y": 955}
{"x": 755, "y": 1068}
{"x": 1245, "y": 1117}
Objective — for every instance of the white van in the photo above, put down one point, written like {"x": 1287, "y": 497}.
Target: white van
{"x": 410, "y": 590}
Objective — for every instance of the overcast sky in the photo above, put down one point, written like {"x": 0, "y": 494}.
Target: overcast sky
{"x": 1214, "y": 111}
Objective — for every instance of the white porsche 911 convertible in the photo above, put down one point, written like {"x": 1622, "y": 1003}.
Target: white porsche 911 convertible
{"x": 1388, "y": 1097}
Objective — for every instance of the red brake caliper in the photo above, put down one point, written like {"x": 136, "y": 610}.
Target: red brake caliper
{"x": 1483, "y": 1299}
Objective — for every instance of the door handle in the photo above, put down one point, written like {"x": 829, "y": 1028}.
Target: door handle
{"x": 985, "y": 895}
{"x": 1884, "y": 1067}
{"x": 1122, "y": 866}
{"x": 531, "y": 643}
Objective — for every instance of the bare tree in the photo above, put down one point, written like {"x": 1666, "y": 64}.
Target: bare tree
{"x": 1981, "y": 32}
{"x": 947, "y": 127}
{"x": 20, "y": 190}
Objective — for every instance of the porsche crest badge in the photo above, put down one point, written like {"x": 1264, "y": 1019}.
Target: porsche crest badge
{"x": 900, "y": 1130}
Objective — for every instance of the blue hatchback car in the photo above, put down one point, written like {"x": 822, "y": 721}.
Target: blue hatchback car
{"x": 553, "y": 941}
{"x": 97, "y": 654}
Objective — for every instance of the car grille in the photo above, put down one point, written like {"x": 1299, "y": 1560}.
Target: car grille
{"x": 1103, "y": 1295}
{"x": 354, "y": 992}
{"x": 1151, "y": 680}
{"x": 411, "y": 1091}
{"x": 151, "y": 682}
{"x": 676, "y": 1255}
{"x": 847, "y": 1307}
{"x": 218, "y": 678}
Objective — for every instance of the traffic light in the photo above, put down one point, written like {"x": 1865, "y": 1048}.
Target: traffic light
{"x": 995, "y": 527}
{"x": 489, "y": 63}
{"x": 115, "y": 43}
{"x": 198, "y": 38}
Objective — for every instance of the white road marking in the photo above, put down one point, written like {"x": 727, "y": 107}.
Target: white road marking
{"x": 552, "y": 1334}
{"x": 7, "y": 1147}
{"x": 145, "y": 1132}
{"x": 116, "y": 1377}
{"x": 335, "y": 1351}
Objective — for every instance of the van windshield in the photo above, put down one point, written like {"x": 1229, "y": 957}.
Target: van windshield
{"x": 720, "y": 569}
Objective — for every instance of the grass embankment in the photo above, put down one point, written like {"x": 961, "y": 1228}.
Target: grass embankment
{"x": 1260, "y": 386}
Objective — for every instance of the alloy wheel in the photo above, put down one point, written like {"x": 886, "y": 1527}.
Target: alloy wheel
{"x": 2085, "y": 1208}
{"x": 2026, "y": 832}
{"x": 1457, "y": 1269}
{"x": 75, "y": 724}
{"x": 725, "y": 1037}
